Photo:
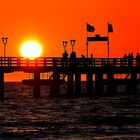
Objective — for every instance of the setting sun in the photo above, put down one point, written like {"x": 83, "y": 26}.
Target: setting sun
{"x": 31, "y": 49}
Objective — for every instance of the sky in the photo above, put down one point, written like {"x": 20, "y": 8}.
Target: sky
{"x": 52, "y": 21}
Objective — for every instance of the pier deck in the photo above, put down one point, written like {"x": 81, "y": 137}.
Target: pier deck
{"x": 71, "y": 70}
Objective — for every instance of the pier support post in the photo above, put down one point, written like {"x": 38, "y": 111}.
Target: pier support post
{"x": 89, "y": 83}
{"x": 78, "y": 84}
{"x": 132, "y": 84}
{"x": 70, "y": 84}
{"x": 54, "y": 88}
{"x": 1, "y": 85}
{"x": 111, "y": 86}
{"x": 36, "y": 88}
{"x": 98, "y": 83}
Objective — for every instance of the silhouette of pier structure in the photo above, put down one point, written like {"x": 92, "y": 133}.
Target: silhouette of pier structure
{"x": 100, "y": 71}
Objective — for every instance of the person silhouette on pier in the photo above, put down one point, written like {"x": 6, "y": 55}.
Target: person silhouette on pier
{"x": 83, "y": 60}
{"x": 92, "y": 60}
{"x": 130, "y": 59}
{"x": 125, "y": 58}
{"x": 137, "y": 59}
{"x": 65, "y": 59}
{"x": 73, "y": 59}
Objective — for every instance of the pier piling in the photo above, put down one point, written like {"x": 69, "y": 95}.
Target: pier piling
{"x": 111, "y": 86}
{"x": 36, "y": 86}
{"x": 70, "y": 84}
{"x": 98, "y": 83}
{"x": 55, "y": 86}
{"x": 89, "y": 83}
{"x": 1, "y": 85}
{"x": 78, "y": 84}
{"x": 132, "y": 84}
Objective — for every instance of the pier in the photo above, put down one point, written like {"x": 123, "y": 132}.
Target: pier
{"x": 100, "y": 71}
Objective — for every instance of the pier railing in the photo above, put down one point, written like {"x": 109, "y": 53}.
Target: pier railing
{"x": 104, "y": 71}
{"x": 60, "y": 62}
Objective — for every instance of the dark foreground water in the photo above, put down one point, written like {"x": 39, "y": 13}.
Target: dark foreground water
{"x": 24, "y": 118}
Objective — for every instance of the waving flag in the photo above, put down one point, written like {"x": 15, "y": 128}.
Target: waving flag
{"x": 110, "y": 28}
{"x": 90, "y": 28}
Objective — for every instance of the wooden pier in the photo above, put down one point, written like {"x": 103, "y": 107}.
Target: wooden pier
{"x": 100, "y": 71}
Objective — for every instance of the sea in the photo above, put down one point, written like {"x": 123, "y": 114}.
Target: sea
{"x": 86, "y": 118}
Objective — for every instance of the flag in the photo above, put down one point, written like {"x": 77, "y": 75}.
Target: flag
{"x": 90, "y": 28}
{"x": 110, "y": 28}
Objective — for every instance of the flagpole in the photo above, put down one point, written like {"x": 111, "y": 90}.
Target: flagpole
{"x": 110, "y": 29}
{"x": 86, "y": 41}
{"x": 89, "y": 28}
{"x": 108, "y": 43}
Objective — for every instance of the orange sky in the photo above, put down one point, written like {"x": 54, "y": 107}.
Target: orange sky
{"x": 51, "y": 21}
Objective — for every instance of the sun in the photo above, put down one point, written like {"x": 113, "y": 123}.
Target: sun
{"x": 31, "y": 49}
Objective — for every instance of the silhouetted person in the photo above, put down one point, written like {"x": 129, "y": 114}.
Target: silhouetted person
{"x": 65, "y": 59}
{"x": 137, "y": 59}
{"x": 125, "y": 58}
{"x": 130, "y": 59}
{"x": 73, "y": 58}
{"x": 73, "y": 55}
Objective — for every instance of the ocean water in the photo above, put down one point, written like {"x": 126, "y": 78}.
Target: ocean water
{"x": 105, "y": 118}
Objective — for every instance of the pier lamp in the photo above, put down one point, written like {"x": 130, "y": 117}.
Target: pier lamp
{"x": 64, "y": 45}
{"x": 4, "y": 41}
{"x": 72, "y": 42}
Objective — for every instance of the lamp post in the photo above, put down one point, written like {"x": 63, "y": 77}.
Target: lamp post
{"x": 72, "y": 42}
{"x": 4, "y": 41}
{"x": 64, "y": 45}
